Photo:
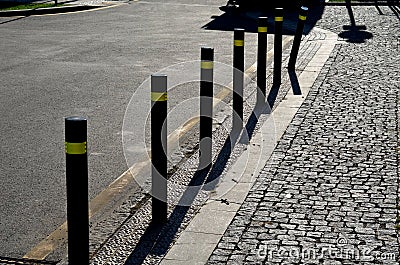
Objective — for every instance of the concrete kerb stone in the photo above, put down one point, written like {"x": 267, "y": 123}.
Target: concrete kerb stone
{"x": 215, "y": 216}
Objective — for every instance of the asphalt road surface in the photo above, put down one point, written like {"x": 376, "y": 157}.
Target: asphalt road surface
{"x": 87, "y": 64}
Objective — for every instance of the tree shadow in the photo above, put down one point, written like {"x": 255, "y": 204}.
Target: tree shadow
{"x": 354, "y": 33}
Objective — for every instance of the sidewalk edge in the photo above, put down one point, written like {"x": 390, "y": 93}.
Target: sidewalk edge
{"x": 260, "y": 145}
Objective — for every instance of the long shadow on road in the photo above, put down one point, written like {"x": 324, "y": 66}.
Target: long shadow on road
{"x": 247, "y": 19}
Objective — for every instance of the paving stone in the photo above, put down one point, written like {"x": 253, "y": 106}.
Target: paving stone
{"x": 335, "y": 171}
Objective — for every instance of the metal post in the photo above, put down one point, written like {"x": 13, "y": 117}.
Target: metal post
{"x": 278, "y": 46}
{"x": 159, "y": 99}
{"x": 262, "y": 59}
{"x": 206, "y": 106}
{"x": 77, "y": 190}
{"x": 238, "y": 79}
{"x": 297, "y": 38}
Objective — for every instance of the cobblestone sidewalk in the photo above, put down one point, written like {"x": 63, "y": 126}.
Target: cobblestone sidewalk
{"x": 329, "y": 194}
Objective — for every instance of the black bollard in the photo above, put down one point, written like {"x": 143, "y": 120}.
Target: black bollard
{"x": 278, "y": 46}
{"x": 297, "y": 38}
{"x": 159, "y": 99}
{"x": 262, "y": 59}
{"x": 206, "y": 106}
{"x": 238, "y": 79}
{"x": 77, "y": 190}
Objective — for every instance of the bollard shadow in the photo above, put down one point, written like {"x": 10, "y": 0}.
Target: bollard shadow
{"x": 272, "y": 96}
{"x": 220, "y": 163}
{"x": 377, "y": 7}
{"x": 246, "y": 18}
{"x": 145, "y": 244}
{"x": 294, "y": 81}
{"x": 259, "y": 109}
{"x": 244, "y": 137}
{"x": 250, "y": 127}
{"x": 395, "y": 9}
{"x": 157, "y": 238}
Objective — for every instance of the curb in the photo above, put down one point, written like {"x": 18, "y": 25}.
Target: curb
{"x": 45, "y": 11}
{"x": 243, "y": 173}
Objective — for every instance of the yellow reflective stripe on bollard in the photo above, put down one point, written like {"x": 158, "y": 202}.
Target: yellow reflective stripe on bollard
{"x": 262, "y": 29}
{"x": 279, "y": 19}
{"x": 239, "y": 42}
{"x": 156, "y": 96}
{"x": 302, "y": 17}
{"x": 75, "y": 148}
{"x": 207, "y": 65}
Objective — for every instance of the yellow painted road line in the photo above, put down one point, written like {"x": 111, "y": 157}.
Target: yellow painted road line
{"x": 59, "y": 236}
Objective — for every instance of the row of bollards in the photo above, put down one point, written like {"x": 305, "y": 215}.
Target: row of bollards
{"x": 76, "y": 129}
{"x": 159, "y": 187}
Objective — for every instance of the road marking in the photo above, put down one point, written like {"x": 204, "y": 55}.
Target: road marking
{"x": 59, "y": 236}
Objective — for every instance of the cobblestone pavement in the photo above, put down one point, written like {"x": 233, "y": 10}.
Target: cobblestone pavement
{"x": 329, "y": 194}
